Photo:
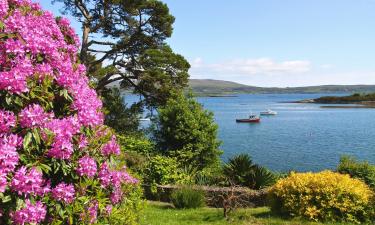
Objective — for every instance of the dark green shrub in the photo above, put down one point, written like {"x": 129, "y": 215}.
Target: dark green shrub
{"x": 187, "y": 198}
{"x": 357, "y": 169}
{"x": 184, "y": 130}
{"x": 240, "y": 170}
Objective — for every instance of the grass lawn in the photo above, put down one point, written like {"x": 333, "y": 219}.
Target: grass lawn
{"x": 157, "y": 213}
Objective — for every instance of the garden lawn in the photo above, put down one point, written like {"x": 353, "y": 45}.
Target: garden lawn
{"x": 157, "y": 213}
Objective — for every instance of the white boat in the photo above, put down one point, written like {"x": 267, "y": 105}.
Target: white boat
{"x": 268, "y": 112}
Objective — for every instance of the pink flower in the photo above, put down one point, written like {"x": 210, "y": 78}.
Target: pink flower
{"x": 87, "y": 167}
{"x": 111, "y": 147}
{"x": 116, "y": 195}
{"x": 34, "y": 116}
{"x": 114, "y": 177}
{"x": 108, "y": 209}
{"x": 8, "y": 152}
{"x": 29, "y": 182}
{"x": 31, "y": 213}
{"x": 3, "y": 8}
{"x": 93, "y": 211}
{"x": 37, "y": 50}
{"x": 7, "y": 121}
{"x": 64, "y": 130}
{"x": 64, "y": 192}
{"x": 104, "y": 175}
{"x": 83, "y": 142}
{"x": 3, "y": 181}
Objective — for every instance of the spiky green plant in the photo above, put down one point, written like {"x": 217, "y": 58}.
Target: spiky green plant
{"x": 240, "y": 170}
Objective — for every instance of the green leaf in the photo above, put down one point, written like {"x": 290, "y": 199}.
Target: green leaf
{"x": 36, "y": 136}
{"x": 6, "y": 199}
{"x": 8, "y": 100}
{"x": 27, "y": 140}
{"x": 45, "y": 168}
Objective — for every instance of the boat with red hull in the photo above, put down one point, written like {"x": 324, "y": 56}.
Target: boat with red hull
{"x": 251, "y": 119}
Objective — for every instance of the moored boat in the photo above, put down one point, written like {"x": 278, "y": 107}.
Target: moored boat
{"x": 268, "y": 112}
{"x": 251, "y": 119}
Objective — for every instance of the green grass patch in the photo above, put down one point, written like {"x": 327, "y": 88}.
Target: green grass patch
{"x": 156, "y": 213}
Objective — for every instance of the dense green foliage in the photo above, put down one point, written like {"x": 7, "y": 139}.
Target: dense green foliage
{"x": 134, "y": 46}
{"x": 137, "y": 143}
{"x": 183, "y": 129}
{"x": 188, "y": 198}
{"x": 162, "y": 170}
{"x": 357, "y": 169}
{"x": 240, "y": 170}
{"x": 123, "y": 119}
{"x": 323, "y": 196}
{"x": 355, "y": 98}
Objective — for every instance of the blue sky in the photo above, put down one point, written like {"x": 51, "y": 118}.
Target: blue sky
{"x": 275, "y": 42}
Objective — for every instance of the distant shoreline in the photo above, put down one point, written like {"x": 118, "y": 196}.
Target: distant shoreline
{"x": 345, "y": 102}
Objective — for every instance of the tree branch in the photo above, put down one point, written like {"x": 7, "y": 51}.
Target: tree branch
{"x": 93, "y": 42}
{"x": 83, "y": 9}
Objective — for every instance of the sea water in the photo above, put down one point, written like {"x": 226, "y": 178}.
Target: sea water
{"x": 302, "y": 137}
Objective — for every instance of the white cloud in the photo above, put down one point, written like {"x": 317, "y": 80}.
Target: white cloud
{"x": 251, "y": 67}
{"x": 327, "y": 66}
{"x": 265, "y": 72}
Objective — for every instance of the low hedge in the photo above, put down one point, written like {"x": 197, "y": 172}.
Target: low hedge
{"x": 250, "y": 198}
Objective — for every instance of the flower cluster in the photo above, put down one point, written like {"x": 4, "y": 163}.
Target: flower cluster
{"x": 64, "y": 192}
{"x": 93, "y": 211}
{"x": 33, "y": 116}
{"x": 3, "y": 8}
{"x": 111, "y": 147}
{"x": 29, "y": 182}
{"x": 51, "y": 125}
{"x": 31, "y": 213}
{"x": 87, "y": 167}
{"x": 8, "y": 152}
{"x": 7, "y": 121}
{"x": 64, "y": 130}
{"x": 114, "y": 179}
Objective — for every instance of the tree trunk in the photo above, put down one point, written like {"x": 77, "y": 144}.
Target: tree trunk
{"x": 84, "y": 49}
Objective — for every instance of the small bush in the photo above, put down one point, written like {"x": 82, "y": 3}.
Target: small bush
{"x": 357, "y": 169}
{"x": 163, "y": 170}
{"x": 324, "y": 196}
{"x": 188, "y": 198}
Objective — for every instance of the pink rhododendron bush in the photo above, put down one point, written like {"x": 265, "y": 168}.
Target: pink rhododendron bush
{"x": 57, "y": 161}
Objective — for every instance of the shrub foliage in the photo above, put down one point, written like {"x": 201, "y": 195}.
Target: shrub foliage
{"x": 163, "y": 170}
{"x": 361, "y": 170}
{"x": 188, "y": 198}
{"x": 57, "y": 161}
{"x": 324, "y": 196}
{"x": 184, "y": 130}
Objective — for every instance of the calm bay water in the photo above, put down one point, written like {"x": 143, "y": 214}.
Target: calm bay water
{"x": 301, "y": 137}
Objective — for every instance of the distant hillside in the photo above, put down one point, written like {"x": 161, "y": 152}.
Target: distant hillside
{"x": 209, "y": 86}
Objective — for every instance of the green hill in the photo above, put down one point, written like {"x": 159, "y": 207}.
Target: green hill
{"x": 219, "y": 87}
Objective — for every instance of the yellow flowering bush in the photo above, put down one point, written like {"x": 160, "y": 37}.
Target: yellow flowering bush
{"x": 323, "y": 196}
